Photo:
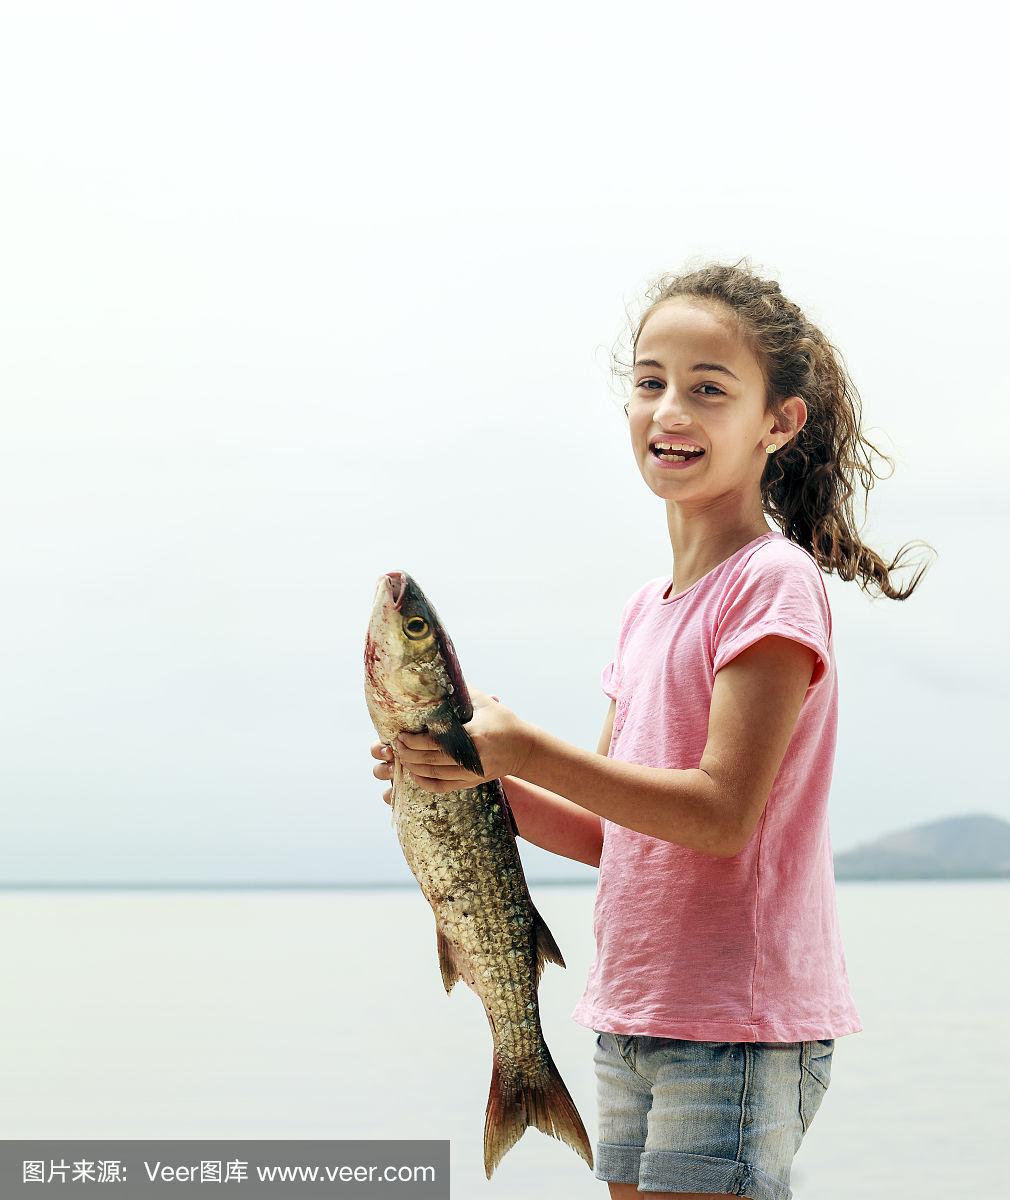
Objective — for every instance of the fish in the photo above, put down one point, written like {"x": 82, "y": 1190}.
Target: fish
{"x": 461, "y": 848}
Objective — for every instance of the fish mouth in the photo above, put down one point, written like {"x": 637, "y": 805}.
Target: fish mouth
{"x": 397, "y": 583}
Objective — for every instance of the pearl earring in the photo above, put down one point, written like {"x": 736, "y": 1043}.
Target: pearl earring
{"x": 770, "y": 449}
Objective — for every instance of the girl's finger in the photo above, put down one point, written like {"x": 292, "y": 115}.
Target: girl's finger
{"x": 387, "y": 795}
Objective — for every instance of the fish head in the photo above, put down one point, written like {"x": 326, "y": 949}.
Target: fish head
{"x": 413, "y": 679}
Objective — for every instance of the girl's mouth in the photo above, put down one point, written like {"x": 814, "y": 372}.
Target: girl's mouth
{"x": 676, "y": 460}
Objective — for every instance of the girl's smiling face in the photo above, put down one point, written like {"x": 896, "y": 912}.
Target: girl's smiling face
{"x": 695, "y": 381}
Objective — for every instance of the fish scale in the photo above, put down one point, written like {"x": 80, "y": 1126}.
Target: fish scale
{"x": 461, "y": 848}
{"x": 491, "y": 939}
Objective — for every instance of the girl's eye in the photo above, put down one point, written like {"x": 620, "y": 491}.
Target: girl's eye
{"x": 643, "y": 382}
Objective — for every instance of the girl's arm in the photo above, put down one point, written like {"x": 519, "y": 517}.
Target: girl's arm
{"x": 715, "y": 807}
{"x": 554, "y": 823}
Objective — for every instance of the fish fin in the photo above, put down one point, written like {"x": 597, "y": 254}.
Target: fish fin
{"x": 546, "y": 947}
{"x": 445, "y": 729}
{"x": 516, "y": 1101}
{"x": 447, "y": 961}
{"x": 392, "y": 798}
{"x": 504, "y": 802}
{"x": 499, "y": 797}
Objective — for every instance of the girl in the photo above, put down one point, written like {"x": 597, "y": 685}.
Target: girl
{"x": 719, "y": 983}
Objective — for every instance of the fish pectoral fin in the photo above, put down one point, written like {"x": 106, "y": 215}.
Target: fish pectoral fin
{"x": 447, "y": 961}
{"x": 444, "y": 728}
{"x": 546, "y": 947}
{"x": 508, "y": 812}
{"x": 395, "y": 787}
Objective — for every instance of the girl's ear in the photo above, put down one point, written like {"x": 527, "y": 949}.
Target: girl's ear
{"x": 790, "y": 417}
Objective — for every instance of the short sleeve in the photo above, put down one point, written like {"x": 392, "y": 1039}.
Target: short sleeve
{"x": 610, "y": 676}
{"x": 608, "y": 679}
{"x": 778, "y": 590}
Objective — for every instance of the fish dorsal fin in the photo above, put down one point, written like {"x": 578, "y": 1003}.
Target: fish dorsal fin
{"x": 447, "y": 961}
{"x": 443, "y": 726}
{"x": 545, "y": 946}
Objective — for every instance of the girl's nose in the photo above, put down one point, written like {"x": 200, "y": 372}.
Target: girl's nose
{"x": 671, "y": 418}
{"x": 670, "y": 409}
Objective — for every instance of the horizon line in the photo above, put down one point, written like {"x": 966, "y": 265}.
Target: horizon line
{"x": 398, "y": 884}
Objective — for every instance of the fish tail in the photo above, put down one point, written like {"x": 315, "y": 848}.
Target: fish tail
{"x": 517, "y": 1101}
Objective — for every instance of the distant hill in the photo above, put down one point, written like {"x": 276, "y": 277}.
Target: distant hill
{"x": 971, "y": 847}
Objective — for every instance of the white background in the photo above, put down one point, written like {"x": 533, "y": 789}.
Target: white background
{"x": 295, "y": 294}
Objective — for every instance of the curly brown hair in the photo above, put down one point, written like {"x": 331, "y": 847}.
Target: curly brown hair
{"x": 807, "y": 488}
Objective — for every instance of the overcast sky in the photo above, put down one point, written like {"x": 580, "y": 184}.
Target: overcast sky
{"x": 295, "y": 294}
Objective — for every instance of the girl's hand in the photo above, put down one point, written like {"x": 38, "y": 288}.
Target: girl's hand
{"x": 498, "y": 734}
{"x": 384, "y": 769}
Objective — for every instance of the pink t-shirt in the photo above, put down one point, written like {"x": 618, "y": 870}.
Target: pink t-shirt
{"x": 690, "y": 945}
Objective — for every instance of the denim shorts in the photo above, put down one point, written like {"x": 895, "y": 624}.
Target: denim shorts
{"x": 723, "y": 1117}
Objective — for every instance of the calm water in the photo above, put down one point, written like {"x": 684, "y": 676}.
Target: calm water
{"x": 322, "y": 1015}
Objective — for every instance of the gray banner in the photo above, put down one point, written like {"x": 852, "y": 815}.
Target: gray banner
{"x": 225, "y": 1170}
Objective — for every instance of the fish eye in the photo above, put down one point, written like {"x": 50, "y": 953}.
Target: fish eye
{"x": 415, "y": 627}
